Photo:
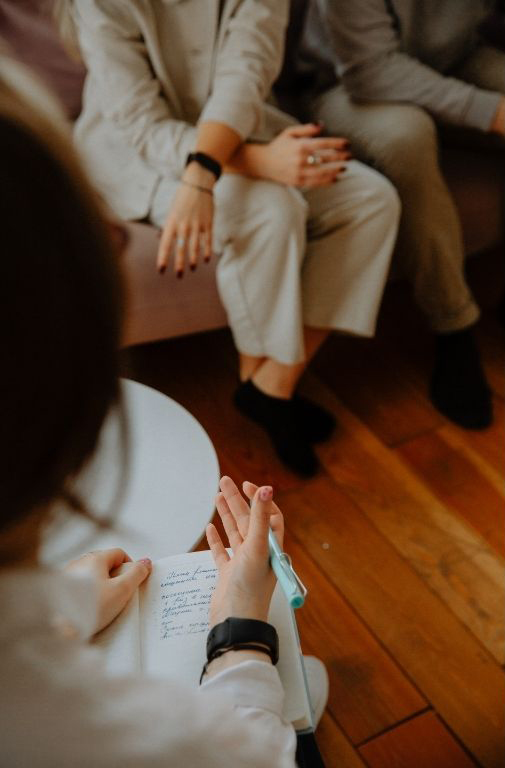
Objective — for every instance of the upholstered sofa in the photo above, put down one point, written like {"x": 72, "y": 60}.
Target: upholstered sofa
{"x": 162, "y": 306}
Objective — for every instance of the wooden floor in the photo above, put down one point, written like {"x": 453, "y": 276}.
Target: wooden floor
{"x": 400, "y": 538}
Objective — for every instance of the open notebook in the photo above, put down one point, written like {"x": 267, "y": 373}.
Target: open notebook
{"x": 163, "y": 629}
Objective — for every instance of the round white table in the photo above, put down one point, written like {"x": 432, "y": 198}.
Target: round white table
{"x": 167, "y": 486}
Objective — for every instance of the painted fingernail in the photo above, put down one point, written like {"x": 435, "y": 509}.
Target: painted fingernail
{"x": 161, "y": 270}
{"x": 192, "y": 267}
{"x": 179, "y": 273}
{"x": 146, "y": 561}
{"x": 266, "y": 493}
{"x": 206, "y": 259}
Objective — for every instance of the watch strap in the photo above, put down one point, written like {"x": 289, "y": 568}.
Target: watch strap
{"x": 206, "y": 161}
{"x": 234, "y": 632}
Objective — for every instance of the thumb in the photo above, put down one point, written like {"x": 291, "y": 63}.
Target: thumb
{"x": 259, "y": 521}
{"x": 133, "y": 574}
{"x": 302, "y": 131}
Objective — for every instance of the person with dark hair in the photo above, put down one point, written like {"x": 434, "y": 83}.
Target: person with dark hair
{"x": 60, "y": 321}
{"x": 176, "y": 129}
{"x": 389, "y": 74}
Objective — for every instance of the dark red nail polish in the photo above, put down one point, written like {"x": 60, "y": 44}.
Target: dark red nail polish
{"x": 192, "y": 267}
{"x": 206, "y": 259}
{"x": 179, "y": 273}
{"x": 161, "y": 270}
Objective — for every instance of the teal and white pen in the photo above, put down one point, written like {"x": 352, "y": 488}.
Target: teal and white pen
{"x": 291, "y": 585}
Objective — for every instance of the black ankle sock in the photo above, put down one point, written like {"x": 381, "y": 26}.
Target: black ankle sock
{"x": 278, "y": 418}
{"x": 458, "y": 385}
{"x": 315, "y": 422}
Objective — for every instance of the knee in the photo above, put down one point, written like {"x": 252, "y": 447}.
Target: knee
{"x": 284, "y": 213}
{"x": 382, "y": 197}
{"x": 410, "y": 140}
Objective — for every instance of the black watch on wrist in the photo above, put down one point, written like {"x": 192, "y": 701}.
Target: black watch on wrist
{"x": 206, "y": 161}
{"x": 237, "y": 632}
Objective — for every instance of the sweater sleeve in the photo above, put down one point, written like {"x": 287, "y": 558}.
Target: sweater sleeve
{"x": 248, "y": 62}
{"x": 374, "y": 68}
{"x": 130, "y": 95}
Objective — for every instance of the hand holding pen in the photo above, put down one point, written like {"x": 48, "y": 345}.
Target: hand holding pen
{"x": 246, "y": 581}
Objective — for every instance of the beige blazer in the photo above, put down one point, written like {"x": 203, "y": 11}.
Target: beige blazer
{"x": 156, "y": 68}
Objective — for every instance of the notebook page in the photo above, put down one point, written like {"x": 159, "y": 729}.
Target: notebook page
{"x": 174, "y": 611}
{"x": 121, "y": 641}
{"x": 174, "y": 607}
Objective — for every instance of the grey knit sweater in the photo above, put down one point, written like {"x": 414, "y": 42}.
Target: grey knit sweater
{"x": 402, "y": 51}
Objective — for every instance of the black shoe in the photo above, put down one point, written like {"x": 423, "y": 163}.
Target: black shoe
{"x": 316, "y": 423}
{"x": 278, "y": 417}
{"x": 458, "y": 387}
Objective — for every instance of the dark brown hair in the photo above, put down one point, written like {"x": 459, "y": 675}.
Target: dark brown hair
{"x": 60, "y": 313}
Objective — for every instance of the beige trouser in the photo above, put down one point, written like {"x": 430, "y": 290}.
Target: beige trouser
{"x": 289, "y": 259}
{"x": 401, "y": 142}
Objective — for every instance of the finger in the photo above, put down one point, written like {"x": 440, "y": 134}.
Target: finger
{"x": 207, "y": 244}
{"x": 302, "y": 131}
{"x": 261, "y": 512}
{"x": 165, "y": 247}
{"x": 194, "y": 248}
{"x": 219, "y": 553}
{"x": 132, "y": 575}
{"x": 325, "y": 156}
{"x": 276, "y": 519}
{"x": 327, "y": 142}
{"x": 229, "y": 522}
{"x": 181, "y": 244}
{"x": 237, "y": 504}
{"x": 111, "y": 558}
{"x": 311, "y": 180}
{"x": 249, "y": 489}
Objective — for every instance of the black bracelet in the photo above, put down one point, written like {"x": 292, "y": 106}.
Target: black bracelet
{"x": 234, "y": 631}
{"x": 237, "y": 647}
{"x": 206, "y": 161}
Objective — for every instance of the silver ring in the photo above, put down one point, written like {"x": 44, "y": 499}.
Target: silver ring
{"x": 180, "y": 242}
{"x": 314, "y": 159}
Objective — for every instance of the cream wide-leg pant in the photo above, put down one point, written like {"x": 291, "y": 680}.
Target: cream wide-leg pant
{"x": 289, "y": 259}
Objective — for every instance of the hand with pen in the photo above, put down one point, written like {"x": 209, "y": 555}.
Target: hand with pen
{"x": 246, "y": 581}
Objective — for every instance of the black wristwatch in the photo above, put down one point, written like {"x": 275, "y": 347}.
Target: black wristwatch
{"x": 236, "y": 633}
{"x": 206, "y": 161}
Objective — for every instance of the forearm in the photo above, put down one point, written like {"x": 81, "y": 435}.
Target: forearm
{"x": 248, "y": 160}
{"x": 396, "y": 77}
{"x": 217, "y": 140}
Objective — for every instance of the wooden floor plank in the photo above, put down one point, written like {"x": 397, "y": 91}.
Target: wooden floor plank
{"x": 423, "y": 742}
{"x": 453, "y": 559}
{"x": 464, "y": 444}
{"x": 458, "y": 484}
{"x": 336, "y": 750}
{"x": 378, "y": 390}
{"x": 489, "y": 443}
{"x": 461, "y": 681}
{"x": 368, "y": 692}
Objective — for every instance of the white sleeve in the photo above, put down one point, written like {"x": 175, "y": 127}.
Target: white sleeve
{"x": 247, "y": 65}
{"x": 82, "y": 718}
{"x": 130, "y": 96}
